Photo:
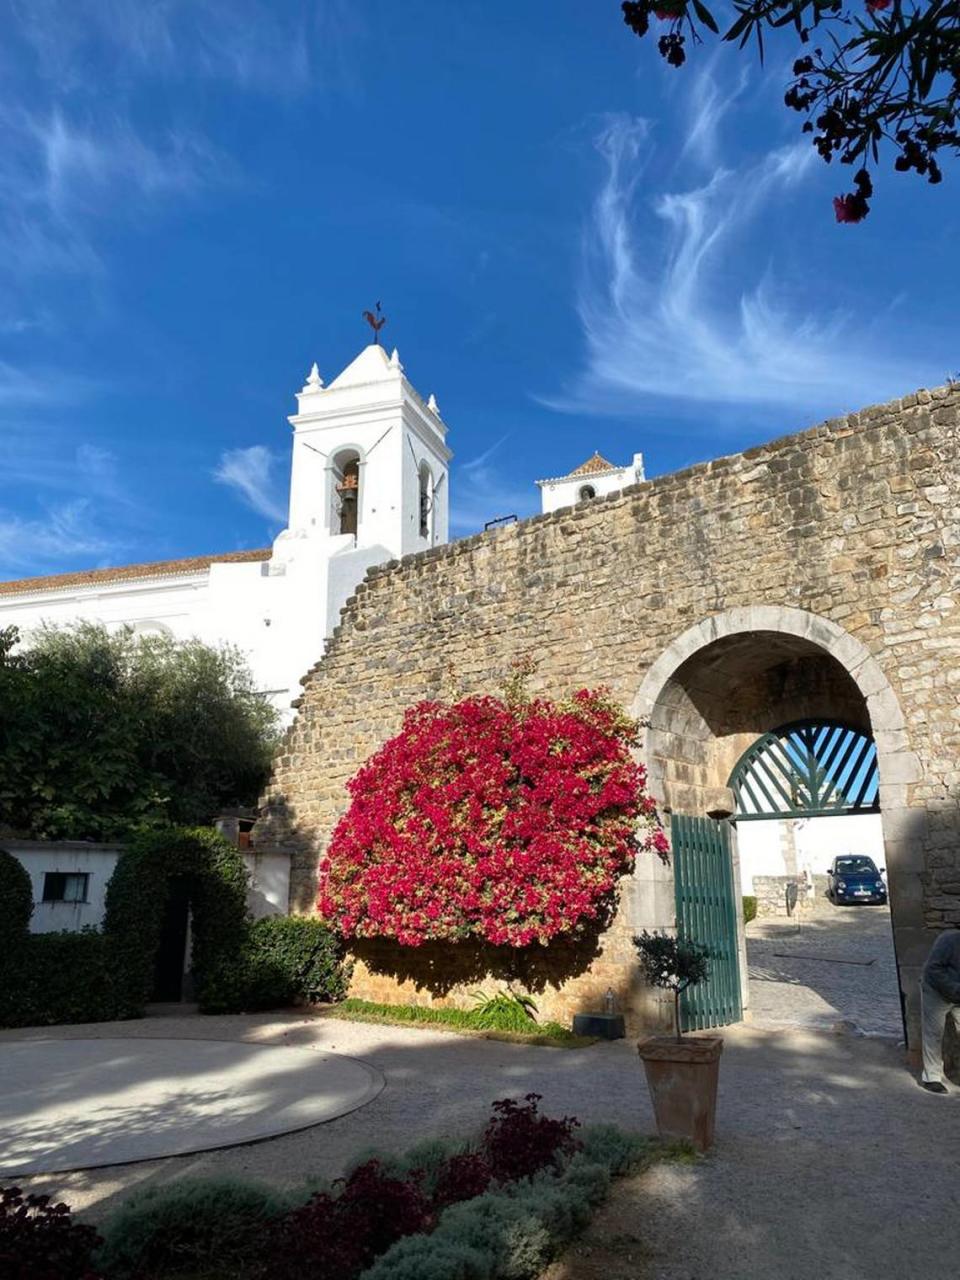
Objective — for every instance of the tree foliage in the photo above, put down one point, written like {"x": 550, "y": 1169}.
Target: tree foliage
{"x": 870, "y": 72}
{"x": 102, "y": 734}
{"x": 672, "y": 964}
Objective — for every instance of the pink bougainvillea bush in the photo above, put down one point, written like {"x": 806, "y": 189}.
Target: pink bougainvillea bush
{"x": 503, "y": 820}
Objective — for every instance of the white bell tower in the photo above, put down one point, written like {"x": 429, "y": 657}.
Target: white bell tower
{"x": 370, "y": 461}
{"x": 368, "y": 484}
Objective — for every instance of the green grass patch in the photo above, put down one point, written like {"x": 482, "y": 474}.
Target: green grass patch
{"x": 467, "y": 1021}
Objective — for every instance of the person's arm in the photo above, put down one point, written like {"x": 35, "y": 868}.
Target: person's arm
{"x": 942, "y": 971}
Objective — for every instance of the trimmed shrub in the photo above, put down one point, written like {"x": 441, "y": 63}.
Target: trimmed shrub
{"x": 432, "y": 1213}
{"x": 749, "y": 908}
{"x": 434, "y": 1258}
{"x": 508, "y": 1234}
{"x": 283, "y": 959}
{"x": 136, "y": 898}
{"x": 61, "y": 977}
{"x": 620, "y": 1152}
{"x": 16, "y": 897}
{"x": 41, "y": 1241}
{"x": 190, "y": 1227}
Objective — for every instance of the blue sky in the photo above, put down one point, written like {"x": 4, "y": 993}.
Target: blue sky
{"x": 577, "y": 247}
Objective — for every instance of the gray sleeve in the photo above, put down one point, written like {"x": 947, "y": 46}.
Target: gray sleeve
{"x": 942, "y": 970}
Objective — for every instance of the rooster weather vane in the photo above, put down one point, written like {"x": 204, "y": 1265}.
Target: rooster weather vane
{"x": 376, "y": 323}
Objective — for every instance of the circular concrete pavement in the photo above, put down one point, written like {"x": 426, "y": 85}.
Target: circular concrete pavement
{"x": 80, "y": 1104}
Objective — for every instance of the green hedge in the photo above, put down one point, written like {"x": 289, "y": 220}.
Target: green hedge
{"x": 284, "y": 959}
{"x": 749, "y": 909}
{"x": 95, "y": 976}
{"x": 51, "y": 978}
{"x": 16, "y": 897}
{"x": 137, "y": 896}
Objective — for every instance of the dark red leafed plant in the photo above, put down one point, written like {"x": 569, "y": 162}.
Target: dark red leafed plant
{"x": 383, "y": 1208}
{"x": 41, "y": 1241}
{"x": 340, "y": 1235}
{"x": 519, "y": 1142}
{"x": 507, "y": 820}
{"x": 461, "y": 1177}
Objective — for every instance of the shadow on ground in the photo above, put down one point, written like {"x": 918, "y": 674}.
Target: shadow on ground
{"x": 812, "y": 1127}
{"x": 816, "y": 970}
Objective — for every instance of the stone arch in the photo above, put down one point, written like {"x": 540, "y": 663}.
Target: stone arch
{"x": 689, "y": 751}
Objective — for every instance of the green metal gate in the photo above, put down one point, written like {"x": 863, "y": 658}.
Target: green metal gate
{"x": 707, "y": 913}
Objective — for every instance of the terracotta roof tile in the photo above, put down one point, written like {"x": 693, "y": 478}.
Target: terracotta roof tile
{"x": 592, "y": 465}
{"x": 129, "y": 572}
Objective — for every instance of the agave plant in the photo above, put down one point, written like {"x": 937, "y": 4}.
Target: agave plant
{"x": 506, "y": 1010}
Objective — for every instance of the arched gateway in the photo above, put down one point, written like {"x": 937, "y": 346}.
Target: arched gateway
{"x": 813, "y": 579}
{"x": 730, "y": 690}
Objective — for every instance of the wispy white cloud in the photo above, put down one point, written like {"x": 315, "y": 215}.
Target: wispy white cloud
{"x": 66, "y": 534}
{"x": 62, "y": 178}
{"x": 82, "y": 167}
{"x": 254, "y": 45}
{"x": 25, "y": 386}
{"x": 672, "y": 309}
{"x": 253, "y": 474}
{"x": 480, "y": 491}
{"x": 706, "y": 106}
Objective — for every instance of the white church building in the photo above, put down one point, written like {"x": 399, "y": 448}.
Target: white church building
{"x": 369, "y": 483}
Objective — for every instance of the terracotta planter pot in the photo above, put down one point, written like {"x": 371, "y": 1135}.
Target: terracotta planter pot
{"x": 682, "y": 1077}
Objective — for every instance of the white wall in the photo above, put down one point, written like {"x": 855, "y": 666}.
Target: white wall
{"x": 787, "y": 846}
{"x": 269, "y": 893}
{"x": 171, "y": 605}
{"x": 39, "y": 857}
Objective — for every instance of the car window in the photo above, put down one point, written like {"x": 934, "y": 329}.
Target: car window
{"x": 856, "y": 864}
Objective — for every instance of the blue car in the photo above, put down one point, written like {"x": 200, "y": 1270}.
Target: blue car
{"x": 854, "y": 878}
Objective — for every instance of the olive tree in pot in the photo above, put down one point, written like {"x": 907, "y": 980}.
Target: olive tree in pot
{"x": 681, "y": 1071}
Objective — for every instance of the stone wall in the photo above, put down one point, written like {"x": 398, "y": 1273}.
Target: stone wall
{"x": 685, "y": 595}
{"x": 771, "y": 895}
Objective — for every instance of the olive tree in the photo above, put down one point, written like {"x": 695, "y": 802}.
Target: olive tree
{"x": 103, "y": 733}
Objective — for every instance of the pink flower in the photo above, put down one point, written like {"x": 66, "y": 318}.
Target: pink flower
{"x": 850, "y": 208}
{"x": 509, "y": 823}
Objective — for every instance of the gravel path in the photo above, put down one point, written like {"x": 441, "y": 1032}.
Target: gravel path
{"x": 835, "y": 966}
{"x": 830, "y": 1162}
